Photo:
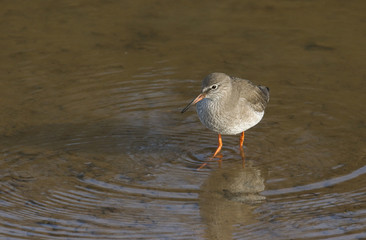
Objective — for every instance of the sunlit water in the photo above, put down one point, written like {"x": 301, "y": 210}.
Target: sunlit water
{"x": 93, "y": 144}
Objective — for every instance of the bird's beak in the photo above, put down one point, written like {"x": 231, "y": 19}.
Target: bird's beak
{"x": 194, "y": 101}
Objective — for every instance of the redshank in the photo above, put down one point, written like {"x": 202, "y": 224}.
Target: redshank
{"x": 230, "y": 105}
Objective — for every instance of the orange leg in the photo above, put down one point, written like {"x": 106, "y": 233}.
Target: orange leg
{"x": 241, "y": 148}
{"x": 218, "y": 147}
{"x": 241, "y": 139}
{"x": 216, "y": 152}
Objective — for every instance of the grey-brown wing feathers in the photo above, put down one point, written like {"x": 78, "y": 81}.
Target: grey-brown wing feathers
{"x": 257, "y": 96}
{"x": 265, "y": 90}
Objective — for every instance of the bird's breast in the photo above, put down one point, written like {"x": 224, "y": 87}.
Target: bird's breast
{"x": 217, "y": 117}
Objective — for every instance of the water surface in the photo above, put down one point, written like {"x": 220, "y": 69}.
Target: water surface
{"x": 93, "y": 145}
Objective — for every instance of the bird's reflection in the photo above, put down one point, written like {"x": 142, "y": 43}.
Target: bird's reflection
{"x": 228, "y": 198}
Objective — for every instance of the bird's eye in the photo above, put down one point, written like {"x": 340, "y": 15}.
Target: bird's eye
{"x": 214, "y": 86}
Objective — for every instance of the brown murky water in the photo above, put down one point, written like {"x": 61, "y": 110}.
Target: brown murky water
{"x": 93, "y": 145}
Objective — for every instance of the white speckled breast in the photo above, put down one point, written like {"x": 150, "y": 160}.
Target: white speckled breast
{"x": 216, "y": 118}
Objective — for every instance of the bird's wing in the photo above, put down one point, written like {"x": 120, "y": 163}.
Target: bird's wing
{"x": 256, "y": 96}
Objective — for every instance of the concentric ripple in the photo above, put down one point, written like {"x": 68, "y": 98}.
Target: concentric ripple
{"x": 93, "y": 144}
{"x": 136, "y": 177}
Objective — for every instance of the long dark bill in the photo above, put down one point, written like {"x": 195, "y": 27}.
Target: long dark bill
{"x": 194, "y": 101}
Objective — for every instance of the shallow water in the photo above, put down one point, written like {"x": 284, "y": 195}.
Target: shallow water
{"x": 93, "y": 145}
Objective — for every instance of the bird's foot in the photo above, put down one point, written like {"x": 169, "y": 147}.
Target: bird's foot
{"x": 211, "y": 159}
